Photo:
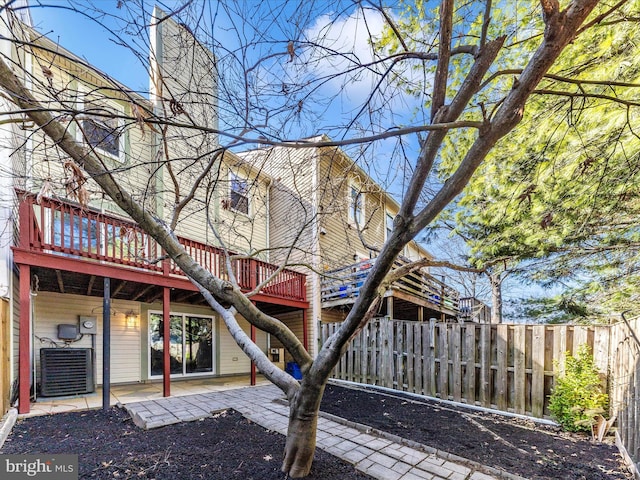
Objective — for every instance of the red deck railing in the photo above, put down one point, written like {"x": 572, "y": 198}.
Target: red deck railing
{"x": 64, "y": 228}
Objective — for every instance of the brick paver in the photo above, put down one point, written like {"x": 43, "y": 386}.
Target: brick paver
{"x": 369, "y": 452}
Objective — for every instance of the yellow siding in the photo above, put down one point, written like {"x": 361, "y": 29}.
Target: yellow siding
{"x": 51, "y": 309}
{"x": 75, "y": 86}
{"x": 333, "y": 315}
{"x": 291, "y": 211}
{"x": 232, "y": 358}
{"x": 293, "y": 320}
{"x": 342, "y": 245}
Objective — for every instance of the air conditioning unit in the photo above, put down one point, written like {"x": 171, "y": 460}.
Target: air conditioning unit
{"x": 66, "y": 371}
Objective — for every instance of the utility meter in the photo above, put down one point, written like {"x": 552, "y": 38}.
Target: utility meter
{"x": 88, "y": 325}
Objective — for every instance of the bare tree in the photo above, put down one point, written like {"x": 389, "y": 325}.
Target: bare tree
{"x": 267, "y": 92}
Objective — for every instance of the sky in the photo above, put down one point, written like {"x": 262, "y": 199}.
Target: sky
{"x": 82, "y": 36}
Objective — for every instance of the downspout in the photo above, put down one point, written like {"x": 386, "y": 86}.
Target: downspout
{"x": 315, "y": 303}
{"x": 268, "y": 221}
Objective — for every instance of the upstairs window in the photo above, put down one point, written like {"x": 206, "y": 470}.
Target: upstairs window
{"x": 356, "y": 205}
{"x": 102, "y": 129}
{"x": 103, "y": 134}
{"x": 389, "y": 224}
{"x": 239, "y": 194}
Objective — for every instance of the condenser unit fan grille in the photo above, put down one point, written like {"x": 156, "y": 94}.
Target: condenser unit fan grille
{"x": 66, "y": 371}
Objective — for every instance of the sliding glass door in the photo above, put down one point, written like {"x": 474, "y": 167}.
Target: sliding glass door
{"x": 190, "y": 344}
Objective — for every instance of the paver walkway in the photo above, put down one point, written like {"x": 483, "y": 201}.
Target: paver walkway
{"x": 380, "y": 457}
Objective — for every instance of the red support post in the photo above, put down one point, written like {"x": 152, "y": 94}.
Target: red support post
{"x": 166, "y": 342}
{"x": 24, "y": 352}
{"x": 24, "y": 211}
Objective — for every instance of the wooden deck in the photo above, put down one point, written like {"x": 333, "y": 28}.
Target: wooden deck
{"x": 342, "y": 286}
{"x": 68, "y": 237}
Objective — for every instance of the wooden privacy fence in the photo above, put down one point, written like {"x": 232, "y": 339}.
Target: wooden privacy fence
{"x": 625, "y": 386}
{"x": 505, "y": 367}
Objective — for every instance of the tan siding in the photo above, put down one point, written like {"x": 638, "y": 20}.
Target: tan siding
{"x": 232, "y": 358}
{"x": 342, "y": 245}
{"x": 292, "y": 213}
{"x": 52, "y": 309}
{"x": 330, "y": 315}
{"x": 293, "y": 320}
{"x": 76, "y": 86}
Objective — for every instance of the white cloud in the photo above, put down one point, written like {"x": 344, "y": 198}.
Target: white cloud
{"x": 338, "y": 47}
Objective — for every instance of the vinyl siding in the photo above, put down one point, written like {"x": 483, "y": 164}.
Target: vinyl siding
{"x": 333, "y": 315}
{"x": 51, "y": 309}
{"x": 291, "y": 213}
{"x": 232, "y": 359}
{"x": 341, "y": 245}
{"x": 293, "y": 320}
{"x": 76, "y": 85}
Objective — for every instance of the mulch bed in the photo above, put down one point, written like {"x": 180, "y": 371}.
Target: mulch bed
{"x": 229, "y": 446}
{"x": 110, "y": 446}
{"x": 529, "y": 449}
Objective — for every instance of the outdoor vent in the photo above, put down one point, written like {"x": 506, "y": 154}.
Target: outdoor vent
{"x": 65, "y": 371}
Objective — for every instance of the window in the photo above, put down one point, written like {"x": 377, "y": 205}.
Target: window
{"x": 356, "y": 207}
{"x": 239, "y": 194}
{"x": 103, "y": 134}
{"x": 389, "y": 224}
{"x": 190, "y": 345}
{"x": 100, "y": 128}
{"x": 73, "y": 231}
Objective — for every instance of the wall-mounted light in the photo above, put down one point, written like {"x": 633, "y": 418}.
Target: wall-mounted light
{"x": 131, "y": 319}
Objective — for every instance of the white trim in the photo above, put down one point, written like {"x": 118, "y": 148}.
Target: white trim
{"x": 110, "y": 104}
{"x": 315, "y": 316}
{"x": 214, "y": 336}
{"x": 360, "y": 199}
{"x": 233, "y": 175}
{"x": 387, "y": 216}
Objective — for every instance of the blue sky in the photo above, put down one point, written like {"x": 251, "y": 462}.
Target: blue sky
{"x": 85, "y": 38}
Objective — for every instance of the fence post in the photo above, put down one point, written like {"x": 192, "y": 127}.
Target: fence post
{"x": 485, "y": 365}
{"x": 537, "y": 375}
{"x": 386, "y": 348}
{"x": 519, "y": 368}
{"x": 470, "y": 346}
{"x": 443, "y": 384}
{"x": 456, "y": 362}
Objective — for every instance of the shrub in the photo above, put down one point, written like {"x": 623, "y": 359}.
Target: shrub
{"x": 577, "y": 396}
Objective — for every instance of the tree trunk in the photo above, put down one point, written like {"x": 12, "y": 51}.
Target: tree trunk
{"x": 303, "y": 426}
{"x": 496, "y": 298}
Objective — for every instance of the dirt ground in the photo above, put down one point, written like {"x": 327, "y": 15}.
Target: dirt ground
{"x": 110, "y": 446}
{"x": 517, "y": 446}
{"x": 228, "y": 446}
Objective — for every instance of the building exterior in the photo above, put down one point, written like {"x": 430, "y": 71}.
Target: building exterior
{"x": 87, "y": 291}
{"x": 339, "y": 217}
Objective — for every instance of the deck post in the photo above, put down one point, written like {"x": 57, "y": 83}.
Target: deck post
{"x": 390, "y": 307}
{"x": 166, "y": 342}
{"x": 106, "y": 344}
{"x": 24, "y": 353}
